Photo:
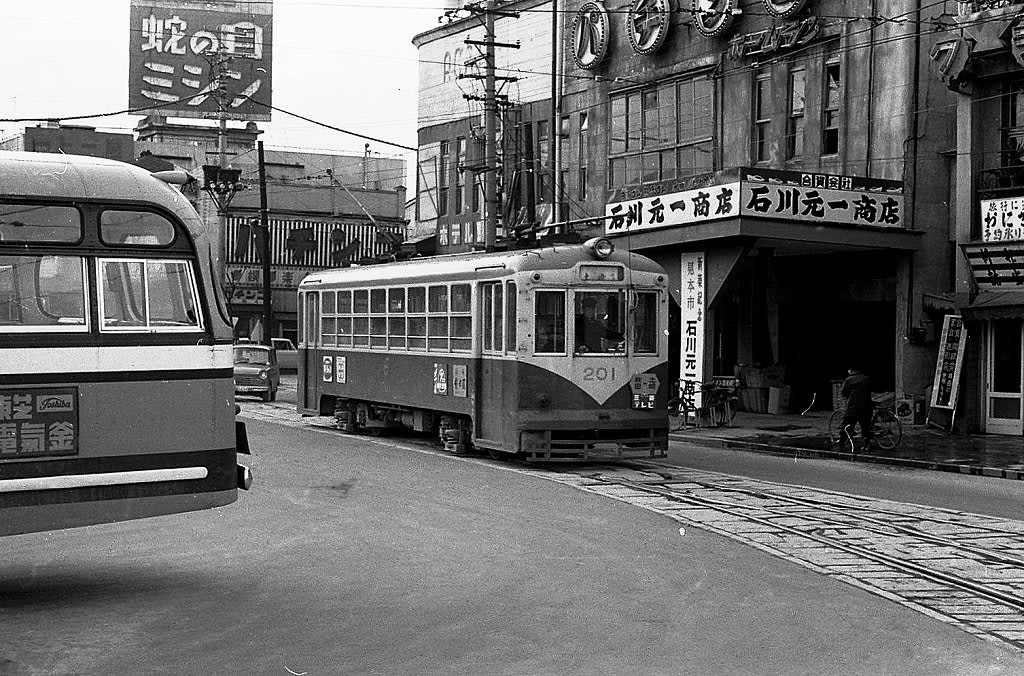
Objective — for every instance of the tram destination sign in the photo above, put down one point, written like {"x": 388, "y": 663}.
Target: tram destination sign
{"x": 38, "y": 421}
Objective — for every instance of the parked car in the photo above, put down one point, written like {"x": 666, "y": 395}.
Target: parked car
{"x": 256, "y": 370}
{"x": 287, "y": 354}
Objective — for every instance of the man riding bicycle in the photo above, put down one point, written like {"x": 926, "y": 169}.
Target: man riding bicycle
{"x": 859, "y": 407}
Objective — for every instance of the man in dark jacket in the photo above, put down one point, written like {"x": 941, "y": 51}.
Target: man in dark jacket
{"x": 859, "y": 406}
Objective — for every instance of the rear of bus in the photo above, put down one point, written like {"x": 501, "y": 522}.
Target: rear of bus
{"x": 116, "y": 393}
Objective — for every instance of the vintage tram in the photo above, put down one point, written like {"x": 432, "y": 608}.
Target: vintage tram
{"x": 550, "y": 353}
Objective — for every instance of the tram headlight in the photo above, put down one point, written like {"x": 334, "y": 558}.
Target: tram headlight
{"x": 599, "y": 247}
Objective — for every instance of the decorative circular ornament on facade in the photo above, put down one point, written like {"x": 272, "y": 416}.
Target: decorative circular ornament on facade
{"x": 590, "y": 35}
{"x": 712, "y": 17}
{"x": 647, "y": 24}
{"x": 782, "y": 9}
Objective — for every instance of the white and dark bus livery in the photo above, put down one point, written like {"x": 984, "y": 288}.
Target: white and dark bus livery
{"x": 552, "y": 353}
{"x": 116, "y": 393}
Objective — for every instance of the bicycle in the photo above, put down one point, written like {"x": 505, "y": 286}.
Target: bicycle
{"x": 886, "y": 430}
{"x": 718, "y": 409}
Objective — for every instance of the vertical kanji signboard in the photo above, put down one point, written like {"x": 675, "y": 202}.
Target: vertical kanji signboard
{"x": 946, "y": 385}
{"x": 186, "y": 59}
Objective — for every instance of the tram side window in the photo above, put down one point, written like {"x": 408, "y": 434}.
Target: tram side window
{"x": 38, "y": 223}
{"x": 136, "y": 228}
{"x": 417, "y": 320}
{"x": 148, "y": 295}
{"x": 42, "y": 293}
{"x": 600, "y": 322}
{"x": 511, "y": 325}
{"x": 396, "y": 318}
{"x": 549, "y": 322}
{"x": 490, "y": 316}
{"x": 645, "y": 323}
{"x": 328, "y": 319}
{"x": 378, "y": 320}
{"x": 360, "y": 320}
{"x": 344, "y": 326}
{"x": 437, "y": 320}
{"x": 462, "y": 320}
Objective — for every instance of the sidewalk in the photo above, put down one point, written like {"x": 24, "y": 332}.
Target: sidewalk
{"x": 922, "y": 446}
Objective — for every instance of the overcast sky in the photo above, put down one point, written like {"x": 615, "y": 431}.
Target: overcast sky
{"x": 348, "y": 63}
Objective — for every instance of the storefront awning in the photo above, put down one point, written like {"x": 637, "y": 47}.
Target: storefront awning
{"x": 996, "y": 305}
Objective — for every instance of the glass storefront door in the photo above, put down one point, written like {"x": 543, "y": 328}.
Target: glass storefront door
{"x": 1003, "y": 401}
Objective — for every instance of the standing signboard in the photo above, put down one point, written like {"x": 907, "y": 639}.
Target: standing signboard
{"x": 946, "y": 384}
{"x": 691, "y": 302}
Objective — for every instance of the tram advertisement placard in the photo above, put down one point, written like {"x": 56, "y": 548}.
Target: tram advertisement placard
{"x": 38, "y": 421}
{"x": 946, "y": 385}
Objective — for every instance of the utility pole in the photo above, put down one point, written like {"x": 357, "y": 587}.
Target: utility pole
{"x": 490, "y": 136}
{"x": 265, "y": 246}
{"x": 555, "y": 138}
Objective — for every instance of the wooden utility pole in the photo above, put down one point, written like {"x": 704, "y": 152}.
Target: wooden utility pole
{"x": 490, "y": 136}
{"x": 265, "y": 246}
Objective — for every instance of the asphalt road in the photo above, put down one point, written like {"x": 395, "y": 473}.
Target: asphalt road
{"x": 355, "y": 555}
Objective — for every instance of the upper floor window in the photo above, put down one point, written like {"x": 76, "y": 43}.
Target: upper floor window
{"x": 830, "y": 109}
{"x": 661, "y": 133}
{"x": 583, "y": 154}
{"x": 460, "y": 180}
{"x": 762, "y": 117}
{"x": 443, "y": 163}
{"x": 1012, "y": 128}
{"x": 795, "y": 126}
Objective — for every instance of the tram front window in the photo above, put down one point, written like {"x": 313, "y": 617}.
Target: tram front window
{"x": 600, "y": 322}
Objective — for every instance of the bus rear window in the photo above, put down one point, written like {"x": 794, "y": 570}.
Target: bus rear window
{"x": 42, "y": 294}
{"x": 39, "y": 223}
{"x": 148, "y": 295}
{"x": 136, "y": 228}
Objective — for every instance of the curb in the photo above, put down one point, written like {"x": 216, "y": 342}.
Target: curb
{"x": 798, "y": 452}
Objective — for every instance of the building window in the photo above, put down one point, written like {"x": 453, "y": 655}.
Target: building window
{"x": 443, "y": 163}
{"x": 762, "y": 116}
{"x": 1012, "y": 128}
{"x": 795, "y": 127}
{"x": 662, "y": 133}
{"x": 460, "y": 180}
{"x": 830, "y": 109}
{"x": 543, "y": 160}
{"x": 582, "y": 154}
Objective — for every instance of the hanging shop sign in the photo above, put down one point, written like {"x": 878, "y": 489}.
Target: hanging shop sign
{"x": 673, "y": 209}
{"x": 1002, "y": 220}
{"x": 647, "y": 25}
{"x": 590, "y": 35}
{"x": 779, "y": 37}
{"x": 783, "y": 9}
{"x": 713, "y": 17}
{"x": 996, "y": 267}
{"x": 946, "y": 385}
{"x": 785, "y": 195}
{"x": 691, "y": 315}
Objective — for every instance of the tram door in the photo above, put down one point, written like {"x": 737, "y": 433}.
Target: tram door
{"x": 1004, "y": 408}
{"x": 311, "y": 336}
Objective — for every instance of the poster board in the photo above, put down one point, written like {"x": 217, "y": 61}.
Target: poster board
{"x": 946, "y": 382}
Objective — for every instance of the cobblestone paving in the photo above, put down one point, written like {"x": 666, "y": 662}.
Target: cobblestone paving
{"x": 960, "y": 568}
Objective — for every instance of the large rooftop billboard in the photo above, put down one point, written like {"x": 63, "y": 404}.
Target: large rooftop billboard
{"x": 179, "y": 52}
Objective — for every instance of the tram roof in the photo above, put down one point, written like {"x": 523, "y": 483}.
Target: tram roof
{"x": 477, "y": 265}
{"x": 58, "y": 175}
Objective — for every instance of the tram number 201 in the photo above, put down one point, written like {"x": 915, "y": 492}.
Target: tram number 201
{"x": 598, "y": 373}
